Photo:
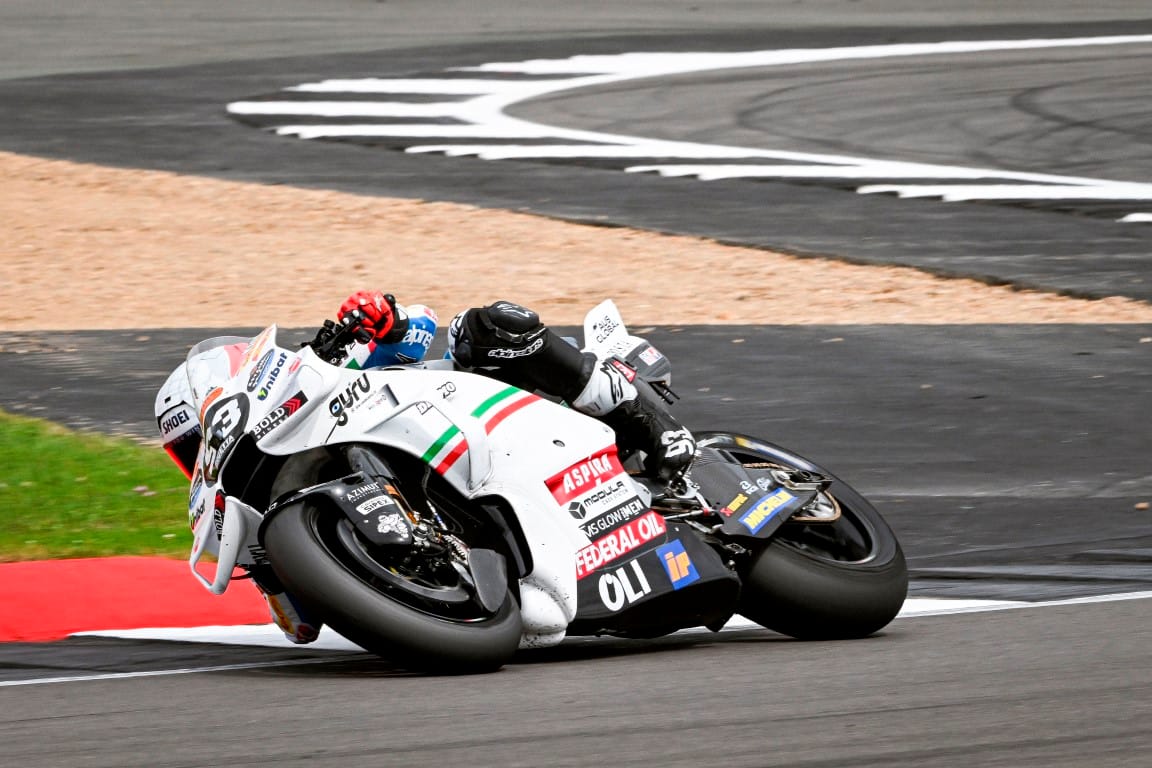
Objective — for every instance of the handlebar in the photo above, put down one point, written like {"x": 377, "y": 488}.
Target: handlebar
{"x": 332, "y": 340}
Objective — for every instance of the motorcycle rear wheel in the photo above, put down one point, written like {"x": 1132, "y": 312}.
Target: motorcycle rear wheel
{"x": 311, "y": 558}
{"x": 820, "y": 581}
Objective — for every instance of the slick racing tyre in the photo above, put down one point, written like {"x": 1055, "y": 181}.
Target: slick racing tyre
{"x": 416, "y": 617}
{"x": 822, "y": 580}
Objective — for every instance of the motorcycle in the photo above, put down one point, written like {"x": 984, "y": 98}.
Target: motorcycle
{"x": 443, "y": 520}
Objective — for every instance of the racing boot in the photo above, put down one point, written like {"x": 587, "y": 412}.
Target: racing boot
{"x": 639, "y": 419}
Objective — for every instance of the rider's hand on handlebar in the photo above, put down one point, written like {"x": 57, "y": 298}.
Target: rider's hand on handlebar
{"x": 373, "y": 311}
{"x": 355, "y": 319}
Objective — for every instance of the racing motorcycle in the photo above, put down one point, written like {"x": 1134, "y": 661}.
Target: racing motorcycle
{"x": 444, "y": 520}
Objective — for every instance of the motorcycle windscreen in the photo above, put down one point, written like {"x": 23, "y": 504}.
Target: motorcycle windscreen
{"x": 212, "y": 362}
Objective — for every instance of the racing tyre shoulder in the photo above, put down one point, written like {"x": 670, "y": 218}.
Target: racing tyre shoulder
{"x": 408, "y": 637}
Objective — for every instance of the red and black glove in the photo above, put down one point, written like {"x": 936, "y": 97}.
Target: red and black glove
{"x": 373, "y": 311}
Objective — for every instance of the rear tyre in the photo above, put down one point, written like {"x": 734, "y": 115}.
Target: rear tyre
{"x": 312, "y": 558}
{"x": 820, "y": 581}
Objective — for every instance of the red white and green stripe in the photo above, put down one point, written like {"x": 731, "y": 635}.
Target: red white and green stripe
{"x": 502, "y": 405}
{"x": 451, "y": 444}
{"x": 449, "y": 447}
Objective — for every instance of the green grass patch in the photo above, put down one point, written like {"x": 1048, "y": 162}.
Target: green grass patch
{"x": 74, "y": 494}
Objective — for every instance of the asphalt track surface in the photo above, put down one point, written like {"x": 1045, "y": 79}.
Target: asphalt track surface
{"x": 1009, "y": 459}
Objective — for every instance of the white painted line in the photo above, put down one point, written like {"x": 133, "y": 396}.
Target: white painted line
{"x": 269, "y": 635}
{"x": 955, "y": 193}
{"x": 864, "y": 170}
{"x": 264, "y": 635}
{"x": 163, "y": 672}
{"x": 404, "y": 131}
{"x": 1137, "y": 217}
{"x": 642, "y": 148}
{"x": 431, "y": 85}
{"x": 451, "y": 109}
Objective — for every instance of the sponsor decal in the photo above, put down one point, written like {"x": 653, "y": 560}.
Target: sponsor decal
{"x": 447, "y": 389}
{"x": 197, "y": 487}
{"x": 605, "y": 495}
{"x": 505, "y": 354}
{"x": 279, "y": 415}
{"x": 763, "y": 483}
{"x": 734, "y": 506}
{"x": 604, "y": 328}
{"x": 364, "y": 491}
{"x": 272, "y": 376}
{"x": 372, "y": 505}
{"x": 623, "y": 586}
{"x": 747, "y": 486}
{"x": 681, "y": 572}
{"x": 196, "y": 501}
{"x": 625, "y": 370}
{"x": 616, "y": 386}
{"x": 614, "y": 518}
{"x": 618, "y": 543}
{"x": 218, "y": 515}
{"x": 584, "y": 475}
{"x": 651, "y": 355}
{"x": 170, "y": 424}
{"x": 421, "y": 336}
{"x": 194, "y": 517}
{"x": 351, "y": 395}
{"x": 258, "y": 371}
{"x": 765, "y": 509}
{"x": 392, "y": 523}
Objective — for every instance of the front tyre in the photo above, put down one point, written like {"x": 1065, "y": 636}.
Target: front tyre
{"x": 299, "y": 542}
{"x": 823, "y": 580}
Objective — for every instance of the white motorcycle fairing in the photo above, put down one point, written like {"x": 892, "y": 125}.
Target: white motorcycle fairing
{"x": 484, "y": 437}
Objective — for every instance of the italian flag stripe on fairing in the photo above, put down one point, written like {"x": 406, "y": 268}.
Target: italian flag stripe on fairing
{"x": 492, "y": 411}
{"x": 491, "y": 402}
{"x": 504, "y": 403}
{"x": 450, "y": 433}
{"x": 452, "y": 456}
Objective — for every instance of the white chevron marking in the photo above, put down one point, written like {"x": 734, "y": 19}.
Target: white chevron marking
{"x": 455, "y": 110}
{"x": 485, "y": 113}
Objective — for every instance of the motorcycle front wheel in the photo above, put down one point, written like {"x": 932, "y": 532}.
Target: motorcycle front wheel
{"x": 421, "y": 622}
{"x": 821, "y": 580}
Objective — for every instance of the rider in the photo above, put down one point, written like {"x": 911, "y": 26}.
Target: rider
{"x": 503, "y": 340}
{"x": 508, "y": 342}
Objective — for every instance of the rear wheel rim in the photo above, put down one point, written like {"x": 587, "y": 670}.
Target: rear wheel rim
{"x": 851, "y": 539}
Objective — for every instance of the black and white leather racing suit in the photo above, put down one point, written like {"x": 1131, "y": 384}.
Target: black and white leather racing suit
{"x": 509, "y": 343}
